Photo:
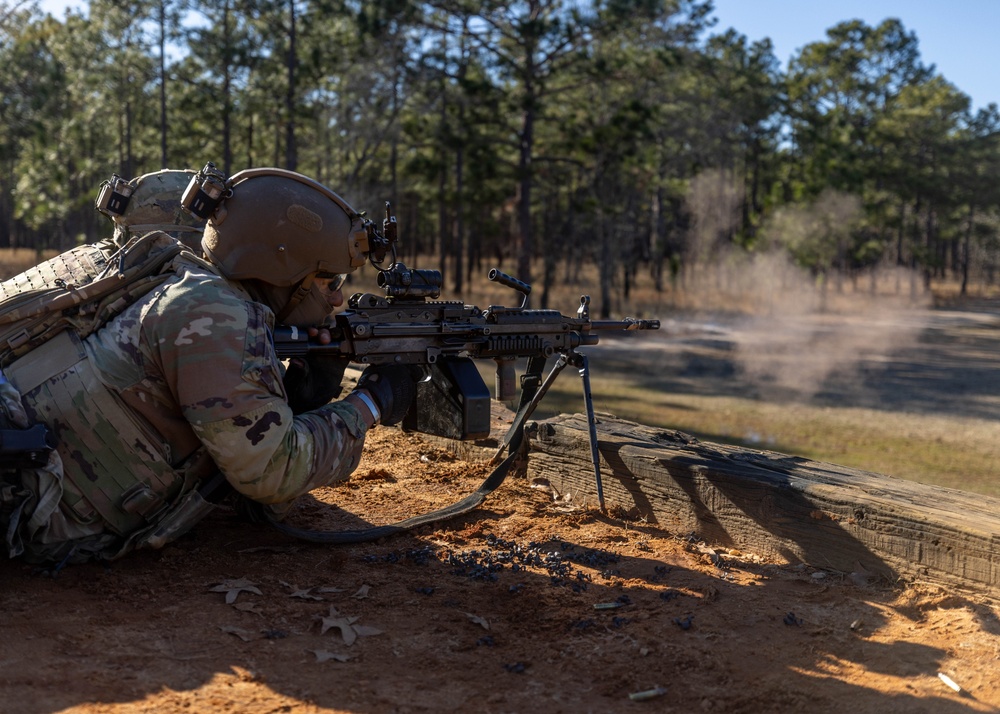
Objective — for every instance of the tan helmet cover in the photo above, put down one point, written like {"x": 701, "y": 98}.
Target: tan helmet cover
{"x": 155, "y": 205}
{"x": 279, "y": 227}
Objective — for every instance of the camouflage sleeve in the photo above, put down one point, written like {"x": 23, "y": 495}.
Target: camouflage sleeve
{"x": 215, "y": 351}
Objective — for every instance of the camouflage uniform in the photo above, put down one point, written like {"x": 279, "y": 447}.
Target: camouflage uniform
{"x": 184, "y": 382}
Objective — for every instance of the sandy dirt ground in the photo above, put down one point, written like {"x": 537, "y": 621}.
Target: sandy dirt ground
{"x": 524, "y": 605}
{"x": 520, "y": 606}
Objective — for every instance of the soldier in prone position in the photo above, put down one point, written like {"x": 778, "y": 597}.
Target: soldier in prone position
{"x": 180, "y": 401}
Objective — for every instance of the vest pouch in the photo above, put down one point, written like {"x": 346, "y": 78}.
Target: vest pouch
{"x": 115, "y": 465}
{"x": 177, "y": 521}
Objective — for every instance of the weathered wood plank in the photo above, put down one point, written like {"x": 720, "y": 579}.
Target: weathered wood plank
{"x": 776, "y": 505}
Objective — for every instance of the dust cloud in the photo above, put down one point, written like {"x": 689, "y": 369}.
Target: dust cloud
{"x": 799, "y": 339}
{"x": 801, "y": 331}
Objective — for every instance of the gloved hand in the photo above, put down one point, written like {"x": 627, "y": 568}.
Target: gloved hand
{"x": 393, "y": 389}
{"x": 314, "y": 380}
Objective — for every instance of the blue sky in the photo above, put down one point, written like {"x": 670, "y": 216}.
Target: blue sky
{"x": 960, "y": 37}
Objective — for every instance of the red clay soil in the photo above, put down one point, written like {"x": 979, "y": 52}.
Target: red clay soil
{"x": 521, "y": 606}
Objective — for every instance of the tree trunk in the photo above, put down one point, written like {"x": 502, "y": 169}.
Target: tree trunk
{"x": 291, "y": 148}
{"x": 930, "y": 242}
{"x": 605, "y": 267}
{"x": 443, "y": 232}
{"x": 525, "y": 178}
{"x": 127, "y": 169}
{"x": 7, "y": 205}
{"x": 552, "y": 247}
{"x": 901, "y": 235}
{"x": 227, "y": 99}
{"x": 966, "y": 250}
{"x": 458, "y": 239}
{"x": 163, "y": 84}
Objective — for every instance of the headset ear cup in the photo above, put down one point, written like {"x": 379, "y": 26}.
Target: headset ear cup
{"x": 155, "y": 203}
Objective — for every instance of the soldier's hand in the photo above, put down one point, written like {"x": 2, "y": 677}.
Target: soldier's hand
{"x": 320, "y": 334}
{"x": 312, "y": 381}
{"x": 393, "y": 389}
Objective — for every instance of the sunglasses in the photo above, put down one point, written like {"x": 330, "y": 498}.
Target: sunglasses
{"x": 337, "y": 280}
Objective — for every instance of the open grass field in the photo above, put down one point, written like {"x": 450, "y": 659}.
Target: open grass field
{"x": 892, "y": 381}
{"x": 897, "y": 416}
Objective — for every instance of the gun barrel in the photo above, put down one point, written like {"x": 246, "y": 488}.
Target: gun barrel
{"x": 629, "y": 323}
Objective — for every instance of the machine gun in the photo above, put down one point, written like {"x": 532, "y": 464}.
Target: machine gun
{"x": 408, "y": 325}
{"x": 404, "y": 327}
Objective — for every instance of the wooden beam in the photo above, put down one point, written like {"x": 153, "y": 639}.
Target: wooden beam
{"x": 830, "y": 517}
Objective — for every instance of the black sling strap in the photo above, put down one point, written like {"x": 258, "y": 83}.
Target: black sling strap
{"x": 532, "y": 390}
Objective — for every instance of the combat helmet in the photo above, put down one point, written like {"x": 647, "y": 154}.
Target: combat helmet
{"x": 151, "y": 202}
{"x": 281, "y": 229}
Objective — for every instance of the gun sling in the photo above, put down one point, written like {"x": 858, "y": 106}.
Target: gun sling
{"x": 533, "y": 389}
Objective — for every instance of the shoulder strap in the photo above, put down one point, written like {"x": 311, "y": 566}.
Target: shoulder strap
{"x": 31, "y": 317}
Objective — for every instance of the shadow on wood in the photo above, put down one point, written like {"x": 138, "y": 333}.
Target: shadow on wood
{"x": 827, "y": 516}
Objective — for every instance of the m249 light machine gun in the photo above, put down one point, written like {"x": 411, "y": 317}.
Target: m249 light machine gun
{"x": 408, "y": 325}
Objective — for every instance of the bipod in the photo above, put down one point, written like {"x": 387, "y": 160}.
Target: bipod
{"x": 581, "y": 363}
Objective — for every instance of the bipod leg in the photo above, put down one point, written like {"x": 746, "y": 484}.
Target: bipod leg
{"x": 580, "y": 362}
{"x": 527, "y": 407}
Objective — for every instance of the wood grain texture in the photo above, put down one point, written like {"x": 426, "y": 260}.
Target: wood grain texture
{"x": 831, "y": 517}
